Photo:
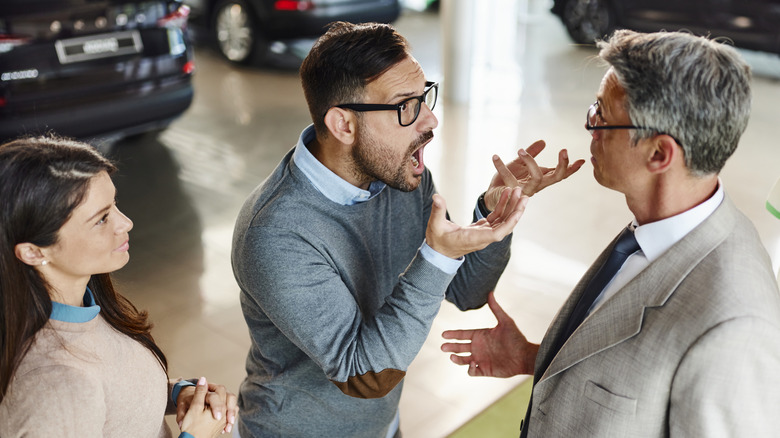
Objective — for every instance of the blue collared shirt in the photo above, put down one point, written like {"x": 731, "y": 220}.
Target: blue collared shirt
{"x": 340, "y": 191}
{"x": 67, "y": 313}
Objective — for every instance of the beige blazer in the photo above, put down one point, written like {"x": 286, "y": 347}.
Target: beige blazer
{"x": 690, "y": 347}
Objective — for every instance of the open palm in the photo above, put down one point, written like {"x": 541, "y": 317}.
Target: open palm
{"x": 501, "y": 351}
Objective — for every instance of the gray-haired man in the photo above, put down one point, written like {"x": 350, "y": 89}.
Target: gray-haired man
{"x": 684, "y": 338}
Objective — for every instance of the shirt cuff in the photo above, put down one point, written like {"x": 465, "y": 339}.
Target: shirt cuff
{"x": 446, "y": 264}
{"x": 478, "y": 213}
{"x": 177, "y": 389}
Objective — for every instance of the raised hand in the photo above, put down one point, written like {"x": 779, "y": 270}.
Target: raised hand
{"x": 525, "y": 173}
{"x": 455, "y": 241}
{"x": 501, "y": 351}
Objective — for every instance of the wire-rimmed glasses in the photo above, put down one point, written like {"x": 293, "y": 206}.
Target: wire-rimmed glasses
{"x": 594, "y": 116}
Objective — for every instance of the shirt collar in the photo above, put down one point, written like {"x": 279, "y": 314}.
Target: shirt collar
{"x": 328, "y": 183}
{"x": 657, "y": 237}
{"x": 67, "y": 313}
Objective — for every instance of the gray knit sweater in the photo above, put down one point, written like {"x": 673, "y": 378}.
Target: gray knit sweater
{"x": 339, "y": 301}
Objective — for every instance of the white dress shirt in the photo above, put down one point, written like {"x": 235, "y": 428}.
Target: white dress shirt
{"x": 654, "y": 239}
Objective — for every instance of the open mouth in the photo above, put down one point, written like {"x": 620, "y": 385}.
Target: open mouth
{"x": 417, "y": 158}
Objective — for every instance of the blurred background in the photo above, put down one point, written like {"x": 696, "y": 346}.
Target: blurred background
{"x": 197, "y": 102}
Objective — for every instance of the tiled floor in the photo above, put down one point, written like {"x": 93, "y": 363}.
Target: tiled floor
{"x": 184, "y": 187}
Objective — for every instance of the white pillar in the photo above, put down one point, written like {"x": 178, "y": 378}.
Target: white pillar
{"x": 458, "y": 26}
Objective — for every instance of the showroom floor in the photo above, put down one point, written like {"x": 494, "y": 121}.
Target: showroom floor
{"x": 184, "y": 188}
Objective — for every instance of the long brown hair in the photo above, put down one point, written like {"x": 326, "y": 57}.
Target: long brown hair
{"x": 42, "y": 180}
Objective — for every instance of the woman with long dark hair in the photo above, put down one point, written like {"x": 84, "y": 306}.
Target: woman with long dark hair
{"x": 77, "y": 359}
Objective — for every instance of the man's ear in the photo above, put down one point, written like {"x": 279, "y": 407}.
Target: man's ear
{"x": 664, "y": 152}
{"x": 341, "y": 124}
{"x": 30, "y": 254}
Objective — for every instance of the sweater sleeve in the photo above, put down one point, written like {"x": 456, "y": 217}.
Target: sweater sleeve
{"x": 301, "y": 291}
{"x": 56, "y": 401}
{"x": 479, "y": 275}
{"x": 480, "y": 271}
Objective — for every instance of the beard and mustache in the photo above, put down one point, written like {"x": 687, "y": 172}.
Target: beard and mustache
{"x": 374, "y": 160}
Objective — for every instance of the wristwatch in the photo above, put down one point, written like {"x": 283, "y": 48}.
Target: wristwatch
{"x": 481, "y": 205}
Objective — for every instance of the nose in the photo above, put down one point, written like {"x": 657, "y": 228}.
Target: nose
{"x": 427, "y": 121}
{"x": 124, "y": 224}
{"x": 594, "y": 133}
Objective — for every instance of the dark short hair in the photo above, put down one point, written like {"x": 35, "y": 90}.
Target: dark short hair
{"x": 344, "y": 61}
{"x": 695, "y": 89}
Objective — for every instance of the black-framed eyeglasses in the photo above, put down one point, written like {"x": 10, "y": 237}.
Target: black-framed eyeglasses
{"x": 408, "y": 110}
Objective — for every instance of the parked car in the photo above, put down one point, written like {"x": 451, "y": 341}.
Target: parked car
{"x": 750, "y": 24}
{"x": 92, "y": 68}
{"x": 245, "y": 30}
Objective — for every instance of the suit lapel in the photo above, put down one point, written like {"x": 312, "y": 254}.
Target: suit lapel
{"x": 561, "y": 318}
{"x": 620, "y": 317}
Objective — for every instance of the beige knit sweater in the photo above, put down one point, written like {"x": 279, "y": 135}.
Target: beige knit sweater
{"x": 85, "y": 380}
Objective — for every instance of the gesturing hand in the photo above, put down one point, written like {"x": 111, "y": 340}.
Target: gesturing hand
{"x": 454, "y": 241}
{"x": 501, "y": 351}
{"x": 523, "y": 172}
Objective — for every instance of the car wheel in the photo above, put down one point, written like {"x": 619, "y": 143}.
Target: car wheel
{"x": 236, "y": 31}
{"x": 588, "y": 20}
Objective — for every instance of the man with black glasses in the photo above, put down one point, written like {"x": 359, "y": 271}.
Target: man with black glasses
{"x": 344, "y": 253}
{"x": 675, "y": 329}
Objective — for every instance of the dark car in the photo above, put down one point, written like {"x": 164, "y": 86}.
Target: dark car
{"x": 92, "y": 68}
{"x": 750, "y": 24}
{"x": 244, "y": 30}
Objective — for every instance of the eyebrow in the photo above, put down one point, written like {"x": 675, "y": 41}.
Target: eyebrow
{"x": 100, "y": 212}
{"x": 408, "y": 94}
{"x": 399, "y": 96}
{"x": 103, "y": 210}
{"x": 601, "y": 107}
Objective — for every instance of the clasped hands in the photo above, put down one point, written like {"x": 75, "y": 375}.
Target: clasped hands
{"x": 206, "y": 409}
{"x": 506, "y": 199}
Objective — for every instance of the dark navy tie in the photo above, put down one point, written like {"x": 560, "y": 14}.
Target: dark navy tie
{"x": 624, "y": 247}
